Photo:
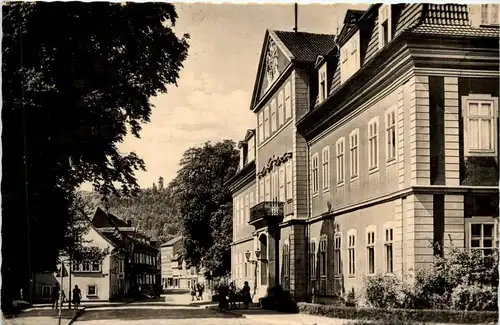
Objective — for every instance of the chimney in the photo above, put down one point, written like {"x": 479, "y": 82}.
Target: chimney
{"x": 296, "y": 10}
{"x": 129, "y": 223}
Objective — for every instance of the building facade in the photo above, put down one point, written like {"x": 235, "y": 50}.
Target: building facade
{"x": 175, "y": 272}
{"x": 376, "y": 148}
{"x": 131, "y": 265}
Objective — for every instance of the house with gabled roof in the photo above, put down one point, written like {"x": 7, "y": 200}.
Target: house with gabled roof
{"x": 130, "y": 266}
{"x": 373, "y": 149}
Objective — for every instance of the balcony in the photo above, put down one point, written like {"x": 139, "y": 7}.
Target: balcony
{"x": 265, "y": 213}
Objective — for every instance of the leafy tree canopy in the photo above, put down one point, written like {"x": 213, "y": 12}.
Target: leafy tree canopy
{"x": 152, "y": 210}
{"x": 205, "y": 202}
{"x": 76, "y": 77}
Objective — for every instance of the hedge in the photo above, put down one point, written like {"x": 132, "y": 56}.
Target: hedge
{"x": 421, "y": 315}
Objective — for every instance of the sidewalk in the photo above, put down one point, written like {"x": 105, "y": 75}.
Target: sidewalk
{"x": 264, "y": 316}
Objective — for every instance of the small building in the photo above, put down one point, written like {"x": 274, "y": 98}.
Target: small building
{"x": 175, "y": 272}
{"x": 130, "y": 266}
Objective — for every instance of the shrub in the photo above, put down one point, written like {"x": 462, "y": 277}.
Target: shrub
{"x": 383, "y": 291}
{"x": 400, "y": 316}
{"x": 461, "y": 280}
{"x": 475, "y": 297}
{"x": 351, "y": 300}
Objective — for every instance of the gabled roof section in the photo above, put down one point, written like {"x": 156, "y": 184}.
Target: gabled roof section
{"x": 248, "y": 135}
{"x": 296, "y": 47}
{"x": 172, "y": 241}
{"x": 305, "y": 47}
{"x": 353, "y": 16}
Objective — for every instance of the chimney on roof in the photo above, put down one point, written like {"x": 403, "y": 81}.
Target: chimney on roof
{"x": 296, "y": 10}
{"x": 129, "y": 223}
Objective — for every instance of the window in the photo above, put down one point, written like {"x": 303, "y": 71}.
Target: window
{"x": 96, "y": 266}
{"x": 273, "y": 116}
{"x": 281, "y": 108}
{"x": 251, "y": 202}
{"x": 337, "y": 254}
{"x": 288, "y": 175}
{"x": 237, "y": 219}
{"x": 274, "y": 185}
{"x": 351, "y": 248}
{"x": 315, "y": 178}
{"x": 242, "y": 212}
{"x": 86, "y": 266}
{"x": 91, "y": 290}
{"x": 370, "y": 247}
{"x": 247, "y": 208}
{"x": 389, "y": 263}
{"x": 480, "y": 131}
{"x": 46, "y": 291}
{"x": 260, "y": 121}
{"x": 385, "y": 25}
{"x": 373, "y": 144}
{"x": 325, "y": 172}
{"x": 251, "y": 149}
{"x": 323, "y": 86}
{"x": 266, "y": 123}
{"x": 246, "y": 270}
{"x": 340, "y": 161}
{"x": 390, "y": 134}
{"x": 312, "y": 260}
{"x": 75, "y": 267}
{"x": 354, "y": 153}
{"x": 282, "y": 183}
{"x": 261, "y": 189}
{"x": 489, "y": 14}
{"x": 267, "y": 187}
{"x": 322, "y": 256}
{"x": 350, "y": 58}
{"x": 286, "y": 260}
{"x": 288, "y": 100}
{"x": 482, "y": 237}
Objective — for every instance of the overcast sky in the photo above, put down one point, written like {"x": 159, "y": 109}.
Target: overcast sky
{"x": 212, "y": 99}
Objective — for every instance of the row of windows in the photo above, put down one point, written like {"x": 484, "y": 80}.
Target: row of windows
{"x": 482, "y": 237}
{"x": 142, "y": 258}
{"x": 280, "y": 111}
{"x": 354, "y": 153}
{"x": 86, "y": 266}
{"x": 146, "y": 279}
{"x": 277, "y": 185}
{"x": 242, "y": 211}
{"x": 240, "y": 267}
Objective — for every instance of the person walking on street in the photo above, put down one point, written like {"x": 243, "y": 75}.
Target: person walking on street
{"x": 55, "y": 296}
{"x": 193, "y": 292}
{"x": 77, "y": 296}
{"x": 200, "y": 291}
{"x": 246, "y": 295}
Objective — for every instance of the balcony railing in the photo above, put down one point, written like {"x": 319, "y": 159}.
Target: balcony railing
{"x": 267, "y": 210}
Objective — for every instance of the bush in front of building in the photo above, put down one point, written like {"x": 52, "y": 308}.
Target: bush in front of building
{"x": 461, "y": 280}
{"x": 279, "y": 300}
{"x": 399, "y": 316}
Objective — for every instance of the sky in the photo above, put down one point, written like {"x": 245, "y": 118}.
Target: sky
{"x": 212, "y": 100}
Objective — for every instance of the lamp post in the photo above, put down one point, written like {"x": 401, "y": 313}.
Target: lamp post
{"x": 248, "y": 254}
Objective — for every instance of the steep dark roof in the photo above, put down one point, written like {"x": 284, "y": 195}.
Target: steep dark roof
{"x": 171, "y": 241}
{"x": 447, "y": 14}
{"x": 306, "y": 47}
{"x": 458, "y": 31}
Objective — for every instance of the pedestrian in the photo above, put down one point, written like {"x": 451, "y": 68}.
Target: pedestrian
{"x": 232, "y": 296}
{"x": 77, "y": 296}
{"x": 193, "y": 292}
{"x": 246, "y": 294}
{"x": 55, "y": 296}
{"x": 200, "y": 291}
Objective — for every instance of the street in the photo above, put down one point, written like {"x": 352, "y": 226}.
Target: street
{"x": 175, "y": 309}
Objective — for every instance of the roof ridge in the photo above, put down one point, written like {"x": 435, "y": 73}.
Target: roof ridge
{"x": 299, "y": 32}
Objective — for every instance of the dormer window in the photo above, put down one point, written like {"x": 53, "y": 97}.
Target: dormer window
{"x": 489, "y": 14}
{"x": 384, "y": 25}
{"x": 349, "y": 58}
{"x": 323, "y": 87}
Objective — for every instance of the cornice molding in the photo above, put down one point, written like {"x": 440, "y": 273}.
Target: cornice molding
{"x": 242, "y": 178}
{"x": 274, "y": 162}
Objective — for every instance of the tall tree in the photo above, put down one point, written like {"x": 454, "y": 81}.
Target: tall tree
{"x": 75, "y": 78}
{"x": 205, "y": 202}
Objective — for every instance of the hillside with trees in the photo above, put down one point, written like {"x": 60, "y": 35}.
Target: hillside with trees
{"x": 153, "y": 210}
